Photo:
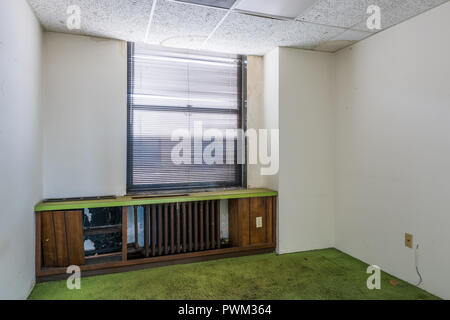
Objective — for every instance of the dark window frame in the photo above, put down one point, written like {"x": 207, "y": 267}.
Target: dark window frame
{"x": 241, "y": 172}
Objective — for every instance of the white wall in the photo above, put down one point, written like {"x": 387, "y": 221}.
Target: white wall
{"x": 298, "y": 101}
{"x": 306, "y": 185}
{"x": 20, "y": 145}
{"x": 393, "y": 149}
{"x": 268, "y": 118}
{"x": 85, "y": 112}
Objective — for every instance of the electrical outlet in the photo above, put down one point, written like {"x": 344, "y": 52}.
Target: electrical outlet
{"x": 259, "y": 222}
{"x": 408, "y": 240}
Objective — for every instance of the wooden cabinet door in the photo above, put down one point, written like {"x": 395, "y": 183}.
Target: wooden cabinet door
{"x": 239, "y": 222}
{"x": 252, "y": 221}
{"x": 258, "y": 220}
{"x": 62, "y": 238}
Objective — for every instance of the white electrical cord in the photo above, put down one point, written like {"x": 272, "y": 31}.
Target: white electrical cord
{"x": 417, "y": 265}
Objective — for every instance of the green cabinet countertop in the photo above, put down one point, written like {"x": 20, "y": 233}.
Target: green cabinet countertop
{"x": 139, "y": 200}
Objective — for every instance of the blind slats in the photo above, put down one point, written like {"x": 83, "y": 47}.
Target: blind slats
{"x": 172, "y": 90}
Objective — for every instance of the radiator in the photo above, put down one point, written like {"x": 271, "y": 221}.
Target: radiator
{"x": 181, "y": 227}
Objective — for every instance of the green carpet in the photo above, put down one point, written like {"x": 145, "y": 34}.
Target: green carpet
{"x": 321, "y": 274}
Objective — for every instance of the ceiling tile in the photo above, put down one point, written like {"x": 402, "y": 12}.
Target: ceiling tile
{"x": 353, "y": 35}
{"x": 280, "y": 8}
{"x": 396, "y": 11}
{"x": 246, "y": 34}
{"x": 119, "y": 19}
{"x": 392, "y": 12}
{"x": 182, "y": 25}
{"x": 343, "y": 40}
{"x": 187, "y": 26}
{"x": 336, "y": 13}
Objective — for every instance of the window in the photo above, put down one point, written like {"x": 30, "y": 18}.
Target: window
{"x": 169, "y": 90}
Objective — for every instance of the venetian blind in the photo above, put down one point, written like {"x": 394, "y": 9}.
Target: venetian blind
{"x": 169, "y": 90}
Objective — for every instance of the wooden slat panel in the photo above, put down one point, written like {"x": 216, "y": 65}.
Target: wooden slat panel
{"x": 195, "y": 213}
{"x": 153, "y": 228}
{"x": 166, "y": 228}
{"x": 274, "y": 220}
{"x": 59, "y": 222}
{"x": 190, "y": 226}
{"x": 212, "y": 226}
{"x": 178, "y": 228}
{"x": 184, "y": 233}
{"x": 124, "y": 234}
{"x": 146, "y": 230}
{"x": 75, "y": 243}
{"x": 38, "y": 246}
{"x": 48, "y": 240}
{"x": 136, "y": 228}
{"x": 233, "y": 232}
{"x": 217, "y": 203}
{"x": 201, "y": 205}
{"x": 258, "y": 209}
{"x": 269, "y": 228}
{"x": 172, "y": 228}
{"x": 243, "y": 221}
{"x": 160, "y": 229}
{"x": 207, "y": 226}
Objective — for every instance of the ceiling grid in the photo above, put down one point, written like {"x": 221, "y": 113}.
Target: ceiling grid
{"x": 251, "y": 27}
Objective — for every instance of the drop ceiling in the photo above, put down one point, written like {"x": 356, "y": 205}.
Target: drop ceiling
{"x": 251, "y": 27}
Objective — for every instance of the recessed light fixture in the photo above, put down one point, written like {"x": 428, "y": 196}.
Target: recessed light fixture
{"x": 224, "y": 4}
{"x": 280, "y": 8}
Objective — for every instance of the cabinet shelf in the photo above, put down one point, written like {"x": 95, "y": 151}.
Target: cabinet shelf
{"x": 103, "y": 230}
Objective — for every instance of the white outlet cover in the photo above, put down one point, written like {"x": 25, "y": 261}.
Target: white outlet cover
{"x": 259, "y": 222}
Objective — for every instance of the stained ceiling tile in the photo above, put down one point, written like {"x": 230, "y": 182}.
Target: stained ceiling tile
{"x": 118, "y": 19}
{"x": 182, "y": 25}
{"x": 247, "y": 34}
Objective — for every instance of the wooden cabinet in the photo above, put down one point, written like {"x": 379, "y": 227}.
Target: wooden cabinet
{"x": 183, "y": 228}
{"x": 252, "y": 221}
{"x": 62, "y": 238}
